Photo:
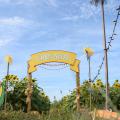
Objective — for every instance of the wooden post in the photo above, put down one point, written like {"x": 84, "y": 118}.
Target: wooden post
{"x": 6, "y": 87}
{"x": 29, "y": 92}
{"x": 106, "y": 56}
{"x": 78, "y": 91}
{"x": 90, "y": 83}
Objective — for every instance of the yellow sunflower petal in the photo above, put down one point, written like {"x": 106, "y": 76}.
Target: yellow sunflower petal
{"x": 8, "y": 59}
{"x": 88, "y": 51}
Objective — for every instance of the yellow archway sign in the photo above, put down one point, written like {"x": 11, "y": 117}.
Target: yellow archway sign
{"x": 53, "y": 56}
{"x": 59, "y": 56}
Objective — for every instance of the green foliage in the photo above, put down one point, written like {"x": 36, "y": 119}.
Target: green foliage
{"x": 115, "y": 94}
{"x": 17, "y": 116}
{"x": 97, "y": 89}
{"x": 16, "y": 98}
{"x": 16, "y": 95}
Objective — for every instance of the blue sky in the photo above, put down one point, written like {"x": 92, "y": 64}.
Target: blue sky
{"x": 30, "y": 26}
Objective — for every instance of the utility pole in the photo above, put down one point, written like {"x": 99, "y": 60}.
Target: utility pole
{"x": 105, "y": 54}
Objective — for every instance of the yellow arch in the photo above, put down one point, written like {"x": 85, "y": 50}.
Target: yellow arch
{"x": 53, "y": 56}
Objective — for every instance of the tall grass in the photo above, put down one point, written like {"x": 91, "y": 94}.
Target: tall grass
{"x": 58, "y": 115}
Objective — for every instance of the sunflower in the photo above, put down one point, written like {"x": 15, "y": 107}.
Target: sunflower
{"x": 117, "y": 85}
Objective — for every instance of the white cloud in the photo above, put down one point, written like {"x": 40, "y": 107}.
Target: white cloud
{"x": 5, "y": 1}
{"x": 52, "y": 3}
{"x": 112, "y": 4}
{"x": 16, "y": 1}
{"x": 91, "y": 32}
{"x": 85, "y": 10}
{"x": 30, "y": 2}
{"x": 12, "y": 28}
{"x": 76, "y": 17}
{"x": 16, "y": 21}
{"x": 4, "y": 41}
